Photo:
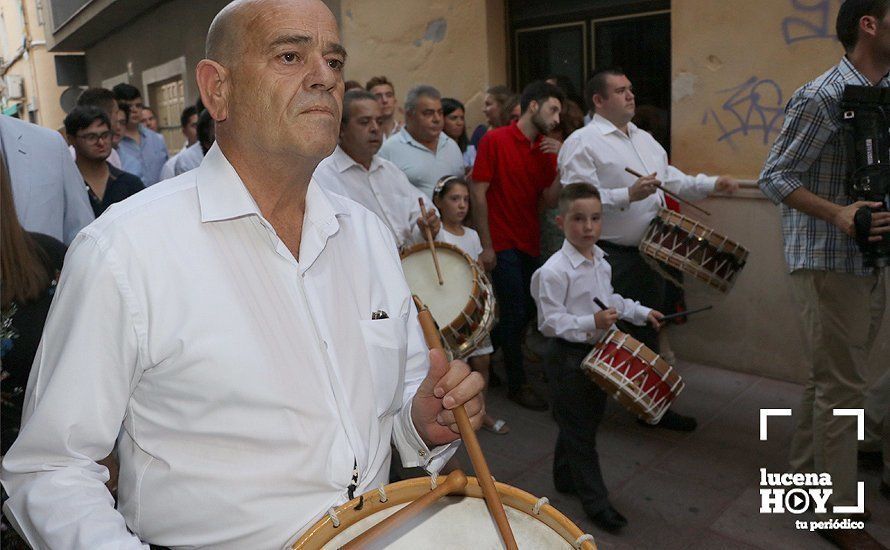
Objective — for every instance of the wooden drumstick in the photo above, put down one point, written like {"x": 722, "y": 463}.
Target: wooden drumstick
{"x": 600, "y": 303}
{"x": 468, "y": 435}
{"x": 633, "y": 172}
{"x": 685, "y": 313}
{"x": 455, "y": 481}
{"x": 429, "y": 239}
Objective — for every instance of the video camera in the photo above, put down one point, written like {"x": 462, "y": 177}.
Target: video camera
{"x": 866, "y": 129}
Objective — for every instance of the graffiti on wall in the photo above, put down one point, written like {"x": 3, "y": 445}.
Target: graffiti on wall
{"x": 753, "y": 108}
{"x": 810, "y": 20}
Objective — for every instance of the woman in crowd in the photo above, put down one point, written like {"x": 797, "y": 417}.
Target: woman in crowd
{"x": 456, "y": 129}
{"x": 500, "y": 101}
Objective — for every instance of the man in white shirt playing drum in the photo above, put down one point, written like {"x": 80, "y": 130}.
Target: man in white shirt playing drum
{"x": 598, "y": 154}
{"x": 355, "y": 170}
{"x": 245, "y": 338}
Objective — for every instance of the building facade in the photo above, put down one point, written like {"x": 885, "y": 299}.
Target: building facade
{"x": 720, "y": 72}
{"x": 35, "y": 84}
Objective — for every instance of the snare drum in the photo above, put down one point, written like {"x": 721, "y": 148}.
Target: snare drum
{"x": 458, "y": 521}
{"x": 693, "y": 248}
{"x": 464, "y": 306}
{"x": 635, "y": 375}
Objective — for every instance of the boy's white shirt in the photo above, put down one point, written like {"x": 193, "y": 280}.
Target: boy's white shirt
{"x": 564, "y": 289}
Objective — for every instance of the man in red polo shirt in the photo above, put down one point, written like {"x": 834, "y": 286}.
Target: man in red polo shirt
{"x": 510, "y": 177}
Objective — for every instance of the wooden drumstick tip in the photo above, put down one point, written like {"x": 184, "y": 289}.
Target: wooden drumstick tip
{"x": 455, "y": 481}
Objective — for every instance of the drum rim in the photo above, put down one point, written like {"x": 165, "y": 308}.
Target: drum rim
{"x": 722, "y": 241}
{"x": 396, "y": 493}
{"x": 655, "y": 252}
{"x": 652, "y": 410}
{"x": 471, "y": 312}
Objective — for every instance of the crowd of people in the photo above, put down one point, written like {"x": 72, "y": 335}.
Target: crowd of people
{"x": 178, "y": 317}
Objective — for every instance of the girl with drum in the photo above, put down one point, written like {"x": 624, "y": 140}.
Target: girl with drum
{"x": 452, "y": 197}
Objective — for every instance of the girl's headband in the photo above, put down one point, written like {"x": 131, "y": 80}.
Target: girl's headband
{"x": 440, "y": 185}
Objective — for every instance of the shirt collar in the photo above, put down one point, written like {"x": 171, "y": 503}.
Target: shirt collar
{"x": 605, "y": 126}
{"x": 406, "y": 137}
{"x": 850, "y": 73}
{"x": 222, "y": 194}
{"x": 576, "y": 258}
{"x": 343, "y": 162}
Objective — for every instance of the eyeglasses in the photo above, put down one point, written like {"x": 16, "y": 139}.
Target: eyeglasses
{"x": 93, "y": 138}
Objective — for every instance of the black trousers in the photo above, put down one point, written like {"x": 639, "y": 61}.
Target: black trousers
{"x": 511, "y": 279}
{"x": 633, "y": 278}
{"x": 578, "y": 407}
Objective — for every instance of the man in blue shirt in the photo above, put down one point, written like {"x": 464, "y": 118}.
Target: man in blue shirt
{"x": 421, "y": 149}
{"x": 143, "y": 152}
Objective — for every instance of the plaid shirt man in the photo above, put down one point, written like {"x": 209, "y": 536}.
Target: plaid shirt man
{"x": 810, "y": 153}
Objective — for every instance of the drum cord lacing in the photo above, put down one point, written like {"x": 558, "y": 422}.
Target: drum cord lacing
{"x": 584, "y": 538}
{"x": 382, "y": 491}
{"x": 541, "y": 502}
{"x": 332, "y": 513}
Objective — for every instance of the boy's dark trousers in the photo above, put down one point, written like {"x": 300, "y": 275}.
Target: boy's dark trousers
{"x": 578, "y": 407}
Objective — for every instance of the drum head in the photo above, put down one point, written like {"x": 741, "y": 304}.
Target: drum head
{"x": 453, "y": 523}
{"x": 446, "y": 302}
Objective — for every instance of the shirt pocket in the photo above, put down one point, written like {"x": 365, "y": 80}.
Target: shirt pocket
{"x": 387, "y": 345}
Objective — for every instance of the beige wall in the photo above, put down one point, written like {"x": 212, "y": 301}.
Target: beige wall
{"x": 38, "y": 68}
{"x": 458, "y": 46}
{"x": 724, "y": 54}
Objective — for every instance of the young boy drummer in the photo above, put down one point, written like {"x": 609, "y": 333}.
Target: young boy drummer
{"x": 564, "y": 290}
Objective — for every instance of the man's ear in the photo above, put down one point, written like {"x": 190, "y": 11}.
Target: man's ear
{"x": 215, "y": 85}
{"x": 868, "y": 24}
{"x": 560, "y": 222}
{"x": 597, "y": 101}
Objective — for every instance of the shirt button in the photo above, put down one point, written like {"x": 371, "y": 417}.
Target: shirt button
{"x": 421, "y": 453}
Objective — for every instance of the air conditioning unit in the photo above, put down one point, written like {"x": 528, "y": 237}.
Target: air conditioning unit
{"x": 15, "y": 87}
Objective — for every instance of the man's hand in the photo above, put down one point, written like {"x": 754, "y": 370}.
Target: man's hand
{"x": 654, "y": 319}
{"x": 880, "y": 226}
{"x": 488, "y": 259}
{"x": 432, "y": 221}
{"x": 605, "y": 318}
{"x": 726, "y": 184}
{"x": 550, "y": 145}
{"x": 880, "y": 221}
{"x": 643, "y": 187}
{"x": 444, "y": 388}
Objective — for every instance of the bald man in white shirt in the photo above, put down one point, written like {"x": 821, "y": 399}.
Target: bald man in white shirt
{"x": 598, "y": 154}
{"x": 355, "y": 170}
{"x": 245, "y": 338}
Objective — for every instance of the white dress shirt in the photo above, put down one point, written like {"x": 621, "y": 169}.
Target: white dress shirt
{"x": 240, "y": 383}
{"x": 384, "y": 190}
{"x": 598, "y": 154}
{"x": 169, "y": 168}
{"x": 564, "y": 289}
{"x": 189, "y": 159}
{"x": 423, "y": 166}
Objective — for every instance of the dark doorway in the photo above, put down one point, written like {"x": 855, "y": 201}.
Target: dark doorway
{"x": 574, "y": 38}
